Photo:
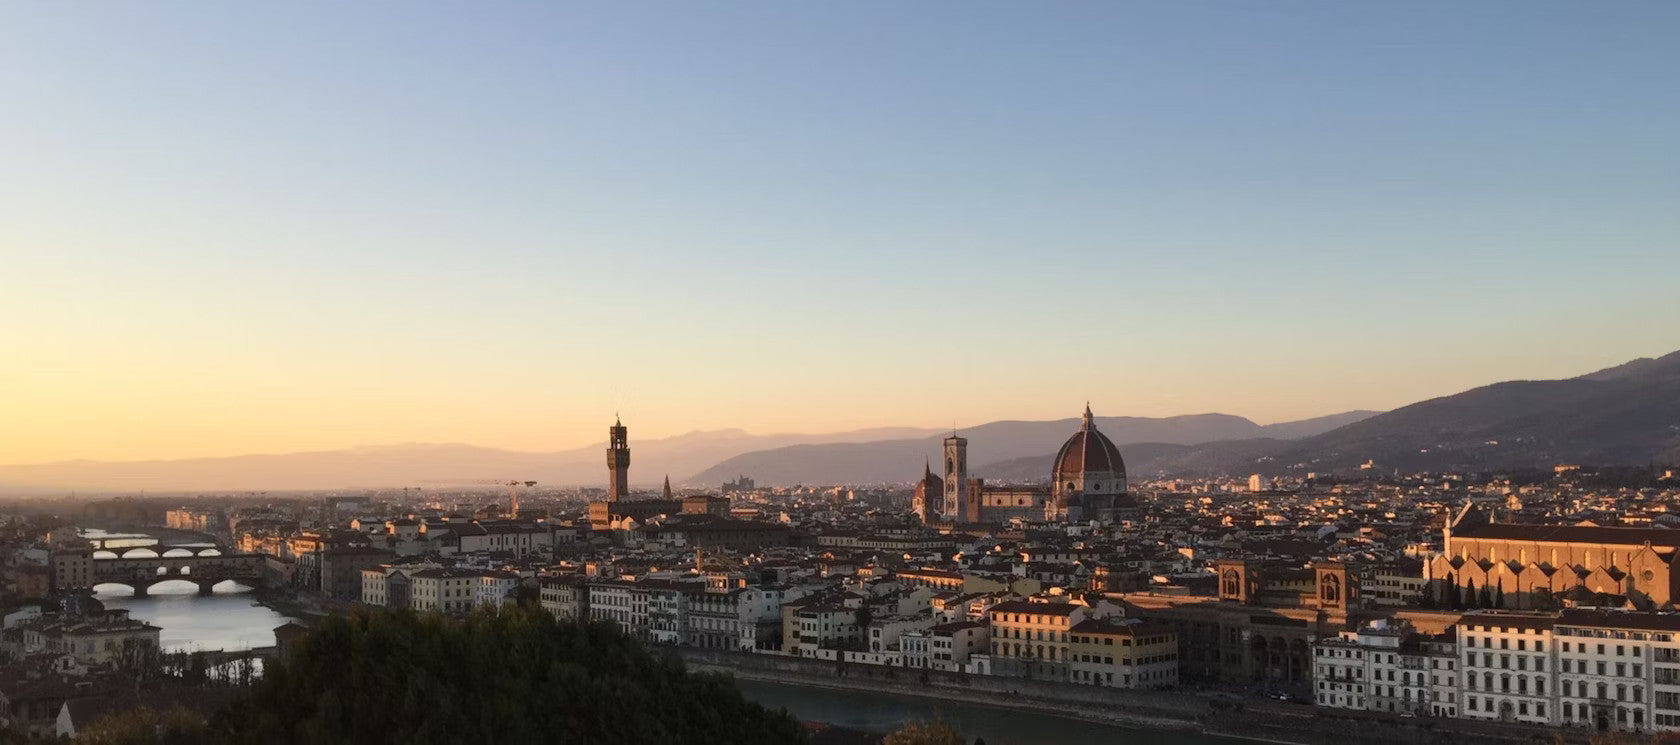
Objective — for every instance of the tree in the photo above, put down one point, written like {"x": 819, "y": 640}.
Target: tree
{"x": 148, "y": 726}
{"x": 1499, "y": 596}
{"x": 1455, "y": 596}
{"x": 513, "y": 677}
{"x": 936, "y": 732}
{"x": 1427, "y": 600}
{"x": 1471, "y": 599}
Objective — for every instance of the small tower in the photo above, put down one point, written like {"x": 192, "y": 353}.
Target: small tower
{"x": 618, "y": 461}
{"x": 929, "y": 491}
{"x": 956, "y": 477}
{"x": 667, "y": 493}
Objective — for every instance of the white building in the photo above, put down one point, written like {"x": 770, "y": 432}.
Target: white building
{"x": 825, "y": 625}
{"x": 495, "y": 588}
{"x": 617, "y": 601}
{"x": 1507, "y": 667}
{"x": 1341, "y": 672}
{"x": 883, "y": 634}
{"x": 443, "y": 590}
{"x": 1442, "y": 655}
{"x": 564, "y": 597}
{"x": 1618, "y": 671}
{"x": 949, "y": 645}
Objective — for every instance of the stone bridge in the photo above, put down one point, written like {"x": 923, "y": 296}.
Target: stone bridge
{"x": 141, "y": 572}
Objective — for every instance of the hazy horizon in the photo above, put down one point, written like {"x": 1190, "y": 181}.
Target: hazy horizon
{"x": 235, "y": 229}
{"x": 635, "y": 436}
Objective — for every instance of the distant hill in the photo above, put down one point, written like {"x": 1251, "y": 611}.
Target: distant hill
{"x": 1149, "y": 459}
{"x": 1624, "y": 415}
{"x": 423, "y": 465}
{"x": 895, "y": 461}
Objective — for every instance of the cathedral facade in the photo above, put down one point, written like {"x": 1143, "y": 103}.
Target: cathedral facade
{"x": 1513, "y": 565}
{"x": 1087, "y": 482}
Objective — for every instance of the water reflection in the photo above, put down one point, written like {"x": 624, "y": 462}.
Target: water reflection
{"x": 228, "y": 619}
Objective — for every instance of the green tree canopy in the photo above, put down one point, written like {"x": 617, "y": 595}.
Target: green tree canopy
{"x": 510, "y": 678}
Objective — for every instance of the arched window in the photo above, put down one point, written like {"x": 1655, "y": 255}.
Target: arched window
{"x": 1567, "y": 689}
{"x": 1330, "y": 590}
{"x": 1233, "y": 583}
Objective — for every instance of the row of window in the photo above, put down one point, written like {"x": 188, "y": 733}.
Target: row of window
{"x": 1615, "y": 634}
{"x": 1522, "y": 644}
{"x": 1505, "y": 684}
{"x": 1504, "y": 661}
{"x": 1472, "y": 703}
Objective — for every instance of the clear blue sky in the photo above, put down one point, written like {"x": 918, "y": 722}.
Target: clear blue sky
{"x": 235, "y": 227}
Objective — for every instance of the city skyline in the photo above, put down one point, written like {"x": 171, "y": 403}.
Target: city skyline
{"x": 311, "y": 227}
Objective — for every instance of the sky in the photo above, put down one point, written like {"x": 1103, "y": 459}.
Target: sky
{"x": 231, "y": 228}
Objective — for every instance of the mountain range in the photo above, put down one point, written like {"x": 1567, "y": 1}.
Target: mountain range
{"x": 1623, "y": 415}
{"x": 894, "y": 461}
{"x": 424, "y": 465}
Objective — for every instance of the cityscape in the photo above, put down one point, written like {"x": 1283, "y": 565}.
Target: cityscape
{"x": 799, "y": 374}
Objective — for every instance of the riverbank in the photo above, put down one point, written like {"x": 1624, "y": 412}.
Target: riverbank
{"x": 1168, "y": 713}
{"x": 1120, "y": 718}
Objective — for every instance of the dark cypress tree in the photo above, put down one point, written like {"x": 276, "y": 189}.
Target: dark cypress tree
{"x": 1499, "y": 596}
{"x": 1471, "y": 598}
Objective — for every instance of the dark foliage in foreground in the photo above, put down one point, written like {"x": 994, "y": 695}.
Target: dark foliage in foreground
{"x": 517, "y": 677}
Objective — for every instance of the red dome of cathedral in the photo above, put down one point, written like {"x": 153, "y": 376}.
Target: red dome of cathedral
{"x": 1087, "y": 459}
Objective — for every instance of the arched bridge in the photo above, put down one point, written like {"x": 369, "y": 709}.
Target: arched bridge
{"x": 141, "y": 572}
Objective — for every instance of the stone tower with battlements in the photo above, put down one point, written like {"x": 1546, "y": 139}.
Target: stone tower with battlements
{"x": 618, "y": 461}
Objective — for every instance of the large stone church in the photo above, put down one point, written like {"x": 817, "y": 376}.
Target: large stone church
{"x": 1541, "y": 566}
{"x": 1087, "y": 482}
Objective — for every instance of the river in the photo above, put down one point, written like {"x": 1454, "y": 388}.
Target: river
{"x": 884, "y": 712}
{"x": 228, "y": 619}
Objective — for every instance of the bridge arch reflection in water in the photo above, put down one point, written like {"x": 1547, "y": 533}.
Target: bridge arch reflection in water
{"x": 228, "y": 619}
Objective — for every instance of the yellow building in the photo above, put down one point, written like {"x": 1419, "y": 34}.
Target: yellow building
{"x": 1139, "y": 654}
{"x": 1032, "y": 639}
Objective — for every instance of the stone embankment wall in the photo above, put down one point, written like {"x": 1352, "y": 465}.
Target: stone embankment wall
{"x": 1211, "y": 713}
